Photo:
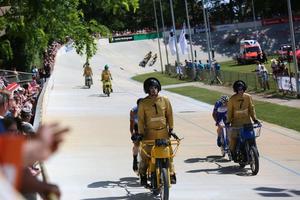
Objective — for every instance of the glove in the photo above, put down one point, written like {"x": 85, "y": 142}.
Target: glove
{"x": 171, "y": 133}
{"x": 227, "y": 124}
{"x": 136, "y": 137}
{"x": 175, "y": 136}
{"x": 256, "y": 122}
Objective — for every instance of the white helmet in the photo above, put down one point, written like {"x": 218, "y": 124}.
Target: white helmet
{"x": 224, "y": 98}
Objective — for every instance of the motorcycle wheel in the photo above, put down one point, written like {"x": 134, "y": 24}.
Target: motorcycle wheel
{"x": 164, "y": 184}
{"x": 107, "y": 92}
{"x": 254, "y": 161}
{"x": 242, "y": 165}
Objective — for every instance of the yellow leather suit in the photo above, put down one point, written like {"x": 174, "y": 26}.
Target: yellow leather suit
{"x": 240, "y": 110}
{"x": 155, "y": 118}
{"x": 106, "y": 77}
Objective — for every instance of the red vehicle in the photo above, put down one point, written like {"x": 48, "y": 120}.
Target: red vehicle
{"x": 249, "y": 50}
{"x": 286, "y": 50}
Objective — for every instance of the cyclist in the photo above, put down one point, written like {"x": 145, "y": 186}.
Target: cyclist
{"x": 106, "y": 77}
{"x": 87, "y": 72}
{"x": 155, "y": 121}
{"x": 134, "y": 130}
{"x": 240, "y": 111}
{"x": 220, "y": 114}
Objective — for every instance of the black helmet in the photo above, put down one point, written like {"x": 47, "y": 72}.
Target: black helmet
{"x": 239, "y": 84}
{"x": 151, "y": 82}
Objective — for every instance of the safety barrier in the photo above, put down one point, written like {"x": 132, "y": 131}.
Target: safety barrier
{"x": 226, "y": 77}
{"x": 16, "y": 76}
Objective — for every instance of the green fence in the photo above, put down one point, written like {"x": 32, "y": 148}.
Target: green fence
{"x": 226, "y": 77}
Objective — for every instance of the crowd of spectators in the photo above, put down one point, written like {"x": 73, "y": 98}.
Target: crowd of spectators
{"x": 197, "y": 70}
{"x": 49, "y": 58}
{"x": 22, "y": 147}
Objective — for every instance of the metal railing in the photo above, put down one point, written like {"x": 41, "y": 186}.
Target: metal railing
{"x": 16, "y": 76}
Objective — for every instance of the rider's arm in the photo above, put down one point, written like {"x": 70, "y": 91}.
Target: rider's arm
{"x": 251, "y": 109}
{"x": 141, "y": 119}
{"x": 169, "y": 114}
{"x": 230, "y": 111}
{"x": 110, "y": 75}
{"x": 131, "y": 122}
{"x": 214, "y": 113}
{"x": 102, "y": 75}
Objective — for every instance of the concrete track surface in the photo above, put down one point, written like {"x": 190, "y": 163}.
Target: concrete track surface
{"x": 95, "y": 162}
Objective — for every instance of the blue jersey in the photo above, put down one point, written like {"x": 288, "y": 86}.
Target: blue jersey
{"x": 221, "y": 111}
{"x": 135, "y": 114}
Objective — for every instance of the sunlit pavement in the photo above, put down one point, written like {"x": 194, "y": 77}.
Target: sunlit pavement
{"x": 95, "y": 161}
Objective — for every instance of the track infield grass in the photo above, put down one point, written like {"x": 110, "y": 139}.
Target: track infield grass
{"x": 281, "y": 115}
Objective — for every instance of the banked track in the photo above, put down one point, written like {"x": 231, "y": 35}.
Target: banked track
{"x": 95, "y": 161}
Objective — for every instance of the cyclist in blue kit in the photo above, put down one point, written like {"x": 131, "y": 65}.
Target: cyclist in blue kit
{"x": 220, "y": 114}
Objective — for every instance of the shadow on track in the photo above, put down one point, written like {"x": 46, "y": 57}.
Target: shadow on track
{"x": 126, "y": 183}
{"x": 277, "y": 192}
{"x": 218, "y": 160}
{"x": 213, "y": 158}
{"x": 80, "y": 87}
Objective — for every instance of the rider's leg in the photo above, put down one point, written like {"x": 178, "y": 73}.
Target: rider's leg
{"x": 103, "y": 87}
{"x": 219, "y": 132}
{"x": 110, "y": 86}
{"x": 143, "y": 165}
{"x": 172, "y": 170}
{"x": 135, "y": 150}
{"x": 232, "y": 141}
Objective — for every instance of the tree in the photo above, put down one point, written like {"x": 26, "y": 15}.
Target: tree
{"x": 31, "y": 25}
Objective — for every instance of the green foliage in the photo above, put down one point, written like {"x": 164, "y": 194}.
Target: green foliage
{"x": 163, "y": 78}
{"x": 31, "y": 26}
{"x": 5, "y": 50}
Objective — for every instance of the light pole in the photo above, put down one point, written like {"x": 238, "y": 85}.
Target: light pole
{"x": 163, "y": 25}
{"x": 254, "y": 19}
{"x": 207, "y": 34}
{"x": 189, "y": 27}
{"x": 174, "y": 30}
{"x": 157, "y": 31}
{"x": 293, "y": 46}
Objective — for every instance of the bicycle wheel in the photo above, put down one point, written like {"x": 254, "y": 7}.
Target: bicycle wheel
{"x": 164, "y": 184}
{"x": 254, "y": 161}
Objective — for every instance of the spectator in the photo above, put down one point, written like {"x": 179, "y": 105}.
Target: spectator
{"x": 265, "y": 78}
{"x": 258, "y": 73}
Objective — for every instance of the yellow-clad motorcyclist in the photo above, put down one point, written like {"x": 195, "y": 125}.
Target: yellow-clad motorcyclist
{"x": 87, "y": 72}
{"x": 155, "y": 121}
{"x": 240, "y": 111}
{"x": 106, "y": 78}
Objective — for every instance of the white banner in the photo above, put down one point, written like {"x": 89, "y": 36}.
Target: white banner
{"x": 182, "y": 41}
{"x": 172, "y": 43}
{"x": 287, "y": 83}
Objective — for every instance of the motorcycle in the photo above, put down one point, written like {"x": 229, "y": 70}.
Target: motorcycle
{"x": 88, "y": 81}
{"x": 246, "y": 152}
{"x": 107, "y": 89}
{"x": 144, "y": 62}
{"x": 158, "y": 171}
{"x": 152, "y": 62}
